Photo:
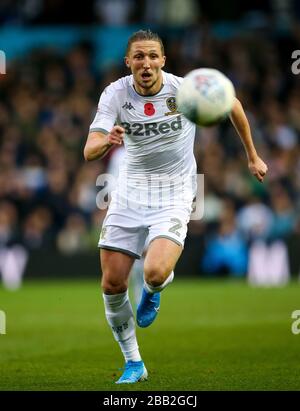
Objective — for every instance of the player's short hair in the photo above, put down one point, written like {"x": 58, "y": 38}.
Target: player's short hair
{"x": 144, "y": 35}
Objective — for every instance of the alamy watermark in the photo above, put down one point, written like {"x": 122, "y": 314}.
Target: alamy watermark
{"x": 2, "y": 322}
{"x": 152, "y": 191}
{"x": 295, "y": 67}
{"x": 296, "y": 324}
{"x": 2, "y": 62}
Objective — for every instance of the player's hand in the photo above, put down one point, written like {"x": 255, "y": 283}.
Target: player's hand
{"x": 116, "y": 135}
{"x": 258, "y": 168}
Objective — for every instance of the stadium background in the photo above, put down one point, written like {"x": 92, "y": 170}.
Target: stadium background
{"x": 58, "y": 63}
{"x": 59, "y": 58}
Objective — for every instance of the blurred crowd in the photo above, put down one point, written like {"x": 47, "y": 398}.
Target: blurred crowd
{"x": 48, "y": 100}
{"x": 163, "y": 12}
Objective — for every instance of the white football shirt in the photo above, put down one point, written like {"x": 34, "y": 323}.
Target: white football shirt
{"x": 159, "y": 165}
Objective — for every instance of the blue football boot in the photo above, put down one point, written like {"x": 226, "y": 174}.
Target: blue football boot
{"x": 134, "y": 371}
{"x": 148, "y": 309}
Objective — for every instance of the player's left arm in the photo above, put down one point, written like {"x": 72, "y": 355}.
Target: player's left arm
{"x": 240, "y": 122}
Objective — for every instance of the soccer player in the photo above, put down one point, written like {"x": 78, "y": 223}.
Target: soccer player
{"x": 140, "y": 111}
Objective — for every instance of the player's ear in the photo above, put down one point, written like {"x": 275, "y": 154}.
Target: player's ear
{"x": 126, "y": 60}
{"x": 164, "y": 62}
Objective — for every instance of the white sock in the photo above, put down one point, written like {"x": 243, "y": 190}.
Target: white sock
{"x": 120, "y": 317}
{"x": 159, "y": 288}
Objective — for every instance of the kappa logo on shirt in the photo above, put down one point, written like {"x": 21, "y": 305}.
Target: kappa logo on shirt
{"x": 128, "y": 106}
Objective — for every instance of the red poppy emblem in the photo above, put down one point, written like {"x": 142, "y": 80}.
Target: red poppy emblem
{"x": 149, "y": 109}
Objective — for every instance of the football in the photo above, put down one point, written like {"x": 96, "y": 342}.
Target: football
{"x": 205, "y": 96}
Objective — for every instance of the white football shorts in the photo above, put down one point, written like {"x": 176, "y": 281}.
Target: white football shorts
{"x": 130, "y": 230}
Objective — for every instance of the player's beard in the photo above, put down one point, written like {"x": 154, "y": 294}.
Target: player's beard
{"x": 148, "y": 86}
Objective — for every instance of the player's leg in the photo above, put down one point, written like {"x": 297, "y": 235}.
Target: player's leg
{"x": 116, "y": 267}
{"x": 167, "y": 232}
{"x": 161, "y": 258}
{"x": 120, "y": 246}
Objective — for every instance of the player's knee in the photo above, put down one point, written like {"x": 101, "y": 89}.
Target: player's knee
{"x": 156, "y": 274}
{"x": 111, "y": 286}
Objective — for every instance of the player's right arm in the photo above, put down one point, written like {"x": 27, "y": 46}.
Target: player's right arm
{"x": 98, "y": 143}
{"x": 104, "y": 134}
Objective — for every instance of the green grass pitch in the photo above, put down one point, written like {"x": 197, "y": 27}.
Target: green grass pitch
{"x": 209, "y": 335}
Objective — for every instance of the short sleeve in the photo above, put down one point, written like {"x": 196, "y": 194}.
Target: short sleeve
{"x": 173, "y": 81}
{"x": 106, "y": 115}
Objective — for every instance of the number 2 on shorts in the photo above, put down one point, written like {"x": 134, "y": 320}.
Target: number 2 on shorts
{"x": 177, "y": 226}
